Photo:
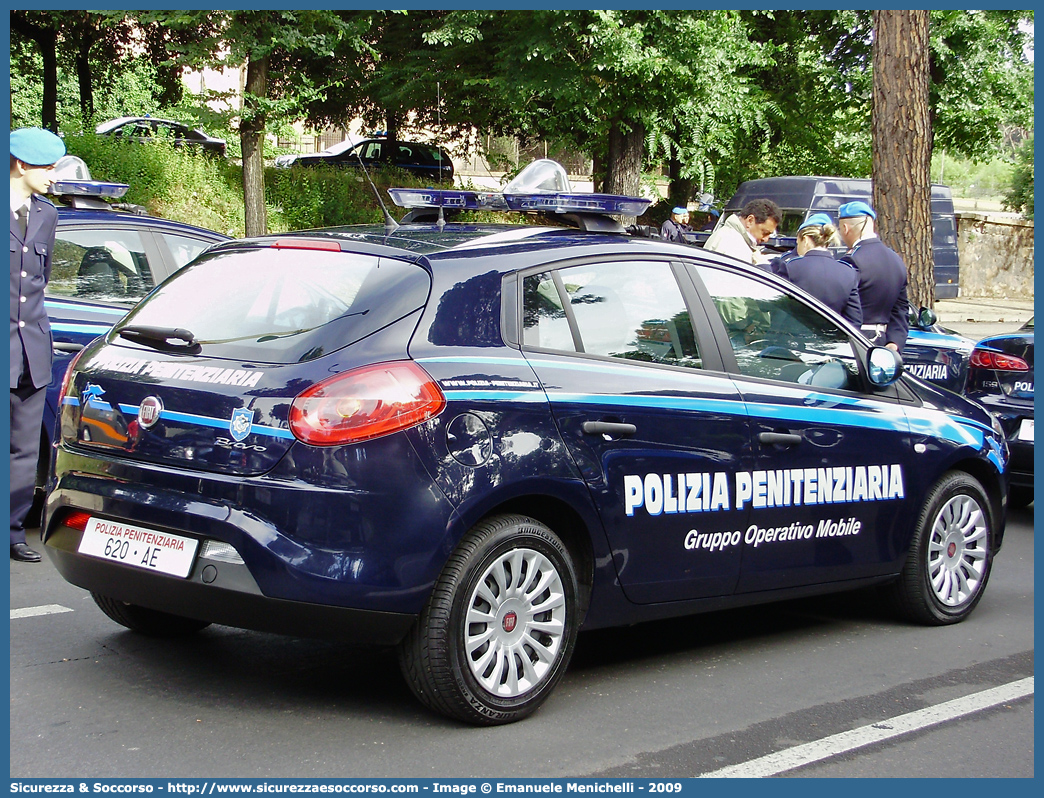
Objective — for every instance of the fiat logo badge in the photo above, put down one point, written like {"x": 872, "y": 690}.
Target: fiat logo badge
{"x": 149, "y": 411}
{"x": 509, "y": 622}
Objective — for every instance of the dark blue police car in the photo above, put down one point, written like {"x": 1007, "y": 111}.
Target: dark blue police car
{"x": 107, "y": 256}
{"x": 1001, "y": 377}
{"x": 473, "y": 441}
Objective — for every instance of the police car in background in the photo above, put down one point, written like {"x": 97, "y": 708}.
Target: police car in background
{"x": 471, "y": 441}
{"x": 107, "y": 256}
{"x": 1001, "y": 377}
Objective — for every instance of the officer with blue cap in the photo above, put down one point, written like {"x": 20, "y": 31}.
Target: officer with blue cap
{"x": 882, "y": 277}
{"x": 816, "y": 271}
{"x": 676, "y": 225}
{"x": 34, "y": 151}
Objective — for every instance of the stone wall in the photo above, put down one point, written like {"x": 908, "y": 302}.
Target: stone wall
{"x": 996, "y": 255}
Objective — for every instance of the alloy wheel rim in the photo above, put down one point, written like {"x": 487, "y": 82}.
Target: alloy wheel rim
{"x": 957, "y": 551}
{"x": 515, "y": 623}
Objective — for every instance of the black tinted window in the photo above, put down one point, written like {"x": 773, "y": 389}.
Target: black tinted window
{"x": 283, "y": 305}
{"x": 106, "y": 265}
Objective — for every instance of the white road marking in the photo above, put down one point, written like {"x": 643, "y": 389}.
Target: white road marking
{"x": 46, "y": 609}
{"x": 782, "y": 761}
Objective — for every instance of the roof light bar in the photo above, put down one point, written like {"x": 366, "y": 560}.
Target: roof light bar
{"x": 447, "y": 198}
{"x": 578, "y": 203}
{"x": 89, "y": 188}
{"x": 541, "y": 186}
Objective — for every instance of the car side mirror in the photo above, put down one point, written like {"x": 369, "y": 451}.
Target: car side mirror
{"x": 883, "y": 366}
{"x": 927, "y": 318}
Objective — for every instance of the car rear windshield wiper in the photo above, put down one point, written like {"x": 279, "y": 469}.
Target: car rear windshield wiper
{"x": 160, "y": 337}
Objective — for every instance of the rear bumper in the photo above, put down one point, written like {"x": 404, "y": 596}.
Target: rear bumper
{"x": 223, "y": 593}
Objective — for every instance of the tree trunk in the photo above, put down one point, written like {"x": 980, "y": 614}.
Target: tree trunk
{"x": 46, "y": 38}
{"x": 597, "y": 170}
{"x": 623, "y": 172}
{"x": 391, "y": 124}
{"x": 49, "y": 107}
{"x": 85, "y": 81}
{"x": 901, "y": 145}
{"x": 252, "y": 139}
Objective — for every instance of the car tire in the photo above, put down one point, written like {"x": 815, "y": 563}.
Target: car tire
{"x": 500, "y": 626}
{"x": 152, "y": 623}
{"x": 1018, "y": 498}
{"x": 950, "y": 556}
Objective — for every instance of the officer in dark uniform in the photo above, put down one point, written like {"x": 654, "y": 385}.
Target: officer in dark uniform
{"x": 34, "y": 152}
{"x": 882, "y": 277}
{"x": 676, "y": 225}
{"x": 816, "y": 271}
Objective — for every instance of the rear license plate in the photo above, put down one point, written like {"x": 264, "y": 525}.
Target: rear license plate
{"x": 1026, "y": 430}
{"x": 138, "y": 547}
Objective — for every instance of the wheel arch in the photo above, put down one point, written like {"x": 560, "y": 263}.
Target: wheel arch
{"x": 562, "y": 519}
{"x": 993, "y": 484}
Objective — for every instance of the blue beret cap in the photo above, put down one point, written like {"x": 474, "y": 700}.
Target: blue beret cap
{"x": 679, "y": 209}
{"x": 816, "y": 219}
{"x": 857, "y": 208}
{"x": 36, "y": 146}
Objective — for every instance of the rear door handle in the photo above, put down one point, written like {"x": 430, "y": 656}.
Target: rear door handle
{"x": 612, "y": 428}
{"x": 779, "y": 438}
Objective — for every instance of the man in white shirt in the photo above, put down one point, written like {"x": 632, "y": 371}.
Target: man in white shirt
{"x": 741, "y": 235}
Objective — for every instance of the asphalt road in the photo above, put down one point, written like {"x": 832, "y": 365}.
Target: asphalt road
{"x": 664, "y": 700}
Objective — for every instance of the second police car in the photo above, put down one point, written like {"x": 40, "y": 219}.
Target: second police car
{"x": 473, "y": 441}
{"x": 107, "y": 256}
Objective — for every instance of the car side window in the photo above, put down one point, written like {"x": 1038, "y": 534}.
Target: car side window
{"x": 182, "y": 249}
{"x": 630, "y": 310}
{"x": 107, "y": 265}
{"x": 774, "y": 335}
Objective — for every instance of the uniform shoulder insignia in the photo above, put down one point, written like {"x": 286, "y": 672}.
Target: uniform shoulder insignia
{"x": 43, "y": 199}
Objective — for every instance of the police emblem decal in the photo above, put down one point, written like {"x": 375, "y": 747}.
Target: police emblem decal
{"x": 242, "y": 421}
{"x": 149, "y": 411}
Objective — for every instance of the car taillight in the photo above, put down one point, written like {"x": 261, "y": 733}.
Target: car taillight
{"x": 998, "y": 361}
{"x": 76, "y": 519}
{"x": 365, "y": 403}
{"x": 68, "y": 375}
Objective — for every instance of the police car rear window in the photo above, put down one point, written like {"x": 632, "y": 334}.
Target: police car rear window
{"x": 283, "y": 305}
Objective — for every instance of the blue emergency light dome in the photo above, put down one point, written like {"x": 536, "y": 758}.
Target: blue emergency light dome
{"x": 542, "y": 186}
{"x": 73, "y": 178}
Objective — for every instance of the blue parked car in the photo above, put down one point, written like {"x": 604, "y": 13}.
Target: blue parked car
{"x": 1001, "y": 377}
{"x": 107, "y": 256}
{"x": 471, "y": 441}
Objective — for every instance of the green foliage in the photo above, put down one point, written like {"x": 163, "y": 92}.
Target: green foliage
{"x": 972, "y": 179}
{"x": 1020, "y": 196}
{"x": 719, "y": 96}
{"x": 327, "y": 196}
{"x": 207, "y": 192}
{"x": 174, "y": 183}
{"x": 981, "y": 78}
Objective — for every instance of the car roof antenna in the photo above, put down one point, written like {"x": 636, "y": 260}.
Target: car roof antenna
{"x": 389, "y": 222}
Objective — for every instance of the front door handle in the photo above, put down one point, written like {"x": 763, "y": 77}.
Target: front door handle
{"x": 779, "y": 438}
{"x": 612, "y": 428}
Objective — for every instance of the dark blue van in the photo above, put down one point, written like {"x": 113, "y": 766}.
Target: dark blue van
{"x": 800, "y": 196}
